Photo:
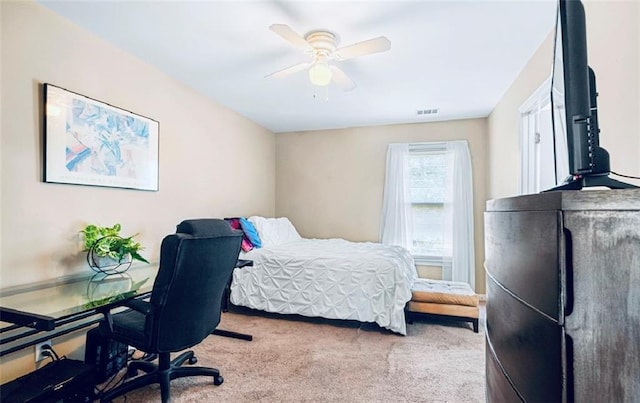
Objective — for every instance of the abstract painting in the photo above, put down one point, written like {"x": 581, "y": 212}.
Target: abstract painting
{"x": 89, "y": 142}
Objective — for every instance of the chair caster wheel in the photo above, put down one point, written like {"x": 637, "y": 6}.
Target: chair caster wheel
{"x": 193, "y": 360}
{"x": 217, "y": 380}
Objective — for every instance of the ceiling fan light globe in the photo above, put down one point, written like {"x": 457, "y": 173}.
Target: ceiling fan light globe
{"x": 320, "y": 74}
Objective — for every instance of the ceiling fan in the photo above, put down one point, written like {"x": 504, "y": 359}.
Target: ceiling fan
{"x": 322, "y": 47}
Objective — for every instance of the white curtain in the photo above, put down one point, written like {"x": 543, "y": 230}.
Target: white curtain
{"x": 395, "y": 228}
{"x": 459, "y": 261}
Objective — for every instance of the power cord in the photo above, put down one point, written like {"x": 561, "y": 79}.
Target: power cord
{"x": 123, "y": 375}
{"x": 625, "y": 176}
{"x": 48, "y": 354}
{"x": 48, "y": 351}
{"x": 108, "y": 384}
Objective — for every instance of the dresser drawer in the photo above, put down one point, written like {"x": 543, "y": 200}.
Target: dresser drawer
{"x": 499, "y": 389}
{"x": 527, "y": 344}
{"x": 522, "y": 255}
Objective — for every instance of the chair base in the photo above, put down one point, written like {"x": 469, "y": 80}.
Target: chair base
{"x": 162, "y": 374}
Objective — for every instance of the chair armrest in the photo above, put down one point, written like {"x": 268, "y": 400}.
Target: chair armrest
{"x": 136, "y": 304}
{"x": 139, "y": 305}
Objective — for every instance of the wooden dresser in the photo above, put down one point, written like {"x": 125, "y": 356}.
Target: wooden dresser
{"x": 563, "y": 297}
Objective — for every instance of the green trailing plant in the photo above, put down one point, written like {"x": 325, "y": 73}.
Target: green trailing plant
{"x": 107, "y": 242}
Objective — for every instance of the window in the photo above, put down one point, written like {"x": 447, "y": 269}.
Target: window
{"x": 427, "y": 177}
{"x": 427, "y": 205}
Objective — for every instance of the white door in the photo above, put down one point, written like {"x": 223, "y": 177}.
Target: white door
{"x": 541, "y": 164}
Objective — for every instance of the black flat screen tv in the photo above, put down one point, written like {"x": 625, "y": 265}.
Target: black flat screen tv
{"x": 574, "y": 104}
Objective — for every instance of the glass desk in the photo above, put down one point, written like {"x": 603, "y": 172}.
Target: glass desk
{"x": 65, "y": 305}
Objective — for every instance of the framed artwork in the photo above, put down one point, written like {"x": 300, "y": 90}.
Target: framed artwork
{"x": 88, "y": 142}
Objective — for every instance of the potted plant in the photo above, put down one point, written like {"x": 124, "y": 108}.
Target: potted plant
{"x": 107, "y": 251}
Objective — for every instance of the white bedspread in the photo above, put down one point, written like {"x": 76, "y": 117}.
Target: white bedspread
{"x": 329, "y": 278}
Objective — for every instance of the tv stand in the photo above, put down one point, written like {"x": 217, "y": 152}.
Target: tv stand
{"x": 593, "y": 181}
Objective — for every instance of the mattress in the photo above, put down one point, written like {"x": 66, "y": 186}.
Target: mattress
{"x": 329, "y": 278}
{"x": 444, "y": 292}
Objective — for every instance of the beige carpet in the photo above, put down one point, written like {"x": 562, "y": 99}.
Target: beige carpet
{"x": 293, "y": 359}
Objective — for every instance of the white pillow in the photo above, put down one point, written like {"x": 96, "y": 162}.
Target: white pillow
{"x": 275, "y": 231}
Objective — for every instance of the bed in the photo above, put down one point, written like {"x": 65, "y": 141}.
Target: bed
{"x": 328, "y": 278}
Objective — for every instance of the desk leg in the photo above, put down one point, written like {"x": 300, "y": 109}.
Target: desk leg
{"x": 226, "y": 301}
{"x": 234, "y": 335}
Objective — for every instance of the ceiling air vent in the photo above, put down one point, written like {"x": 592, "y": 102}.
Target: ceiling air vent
{"x": 422, "y": 112}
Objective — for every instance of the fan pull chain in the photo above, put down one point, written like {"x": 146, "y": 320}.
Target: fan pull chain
{"x": 326, "y": 94}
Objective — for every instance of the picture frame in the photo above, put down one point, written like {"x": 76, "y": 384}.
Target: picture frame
{"x": 89, "y": 142}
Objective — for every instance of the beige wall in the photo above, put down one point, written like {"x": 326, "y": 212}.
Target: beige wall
{"x": 613, "y": 40}
{"x": 330, "y": 183}
{"x": 202, "y": 171}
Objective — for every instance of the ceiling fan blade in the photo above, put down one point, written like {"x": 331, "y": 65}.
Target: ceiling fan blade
{"x": 375, "y": 45}
{"x": 290, "y": 35}
{"x": 341, "y": 79}
{"x": 289, "y": 70}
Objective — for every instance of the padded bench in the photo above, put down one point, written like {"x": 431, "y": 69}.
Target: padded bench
{"x": 450, "y": 299}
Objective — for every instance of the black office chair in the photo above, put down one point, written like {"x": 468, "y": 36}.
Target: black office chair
{"x": 184, "y": 308}
{"x": 197, "y": 227}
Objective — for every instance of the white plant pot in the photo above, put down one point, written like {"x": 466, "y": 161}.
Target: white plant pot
{"x": 109, "y": 265}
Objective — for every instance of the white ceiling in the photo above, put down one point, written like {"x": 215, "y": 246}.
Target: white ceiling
{"x": 456, "y": 56}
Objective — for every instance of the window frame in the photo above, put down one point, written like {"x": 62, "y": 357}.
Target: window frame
{"x": 439, "y": 148}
